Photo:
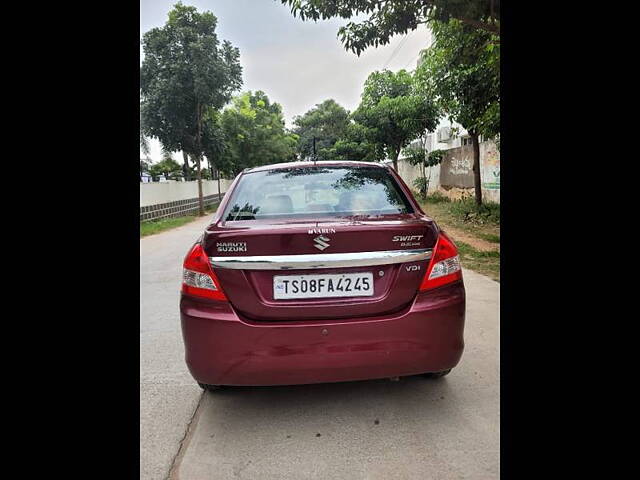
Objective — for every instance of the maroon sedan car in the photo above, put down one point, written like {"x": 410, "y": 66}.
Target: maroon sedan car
{"x": 320, "y": 272}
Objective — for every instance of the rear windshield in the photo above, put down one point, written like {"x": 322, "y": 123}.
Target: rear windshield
{"x": 316, "y": 191}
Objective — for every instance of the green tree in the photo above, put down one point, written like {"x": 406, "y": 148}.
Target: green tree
{"x": 186, "y": 72}
{"x": 255, "y": 134}
{"x": 391, "y": 17}
{"x": 167, "y": 168}
{"x": 394, "y": 111}
{"x": 145, "y": 149}
{"x": 215, "y": 147}
{"x": 356, "y": 145}
{"x": 326, "y": 122}
{"x": 419, "y": 156}
{"x": 462, "y": 70}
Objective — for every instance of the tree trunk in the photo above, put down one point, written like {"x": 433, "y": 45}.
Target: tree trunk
{"x": 424, "y": 182}
{"x": 218, "y": 172}
{"x": 476, "y": 168}
{"x": 199, "y": 177}
{"x": 396, "y": 154}
{"x": 198, "y": 142}
{"x": 185, "y": 167}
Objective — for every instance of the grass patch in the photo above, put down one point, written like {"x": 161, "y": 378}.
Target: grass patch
{"x": 467, "y": 211}
{"x": 437, "y": 197}
{"x": 490, "y": 237}
{"x": 487, "y": 263}
{"x": 156, "y": 226}
{"x": 482, "y": 222}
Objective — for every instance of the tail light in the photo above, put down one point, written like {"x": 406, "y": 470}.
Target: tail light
{"x": 444, "y": 266}
{"x": 198, "y": 278}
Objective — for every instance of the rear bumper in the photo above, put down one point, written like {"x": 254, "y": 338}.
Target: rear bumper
{"x": 221, "y": 348}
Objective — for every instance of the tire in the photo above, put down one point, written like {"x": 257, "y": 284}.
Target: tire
{"x": 436, "y": 374}
{"x": 209, "y": 388}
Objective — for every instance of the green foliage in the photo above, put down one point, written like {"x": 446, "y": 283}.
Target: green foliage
{"x": 490, "y": 237}
{"x": 215, "y": 145}
{"x": 394, "y": 111}
{"x": 167, "y": 168}
{"x": 152, "y": 227}
{"x": 466, "y": 249}
{"x": 327, "y": 122}
{"x": 421, "y": 184}
{"x": 462, "y": 70}
{"x": 388, "y": 18}
{"x": 356, "y": 145}
{"x": 469, "y": 212}
{"x": 435, "y": 158}
{"x": 253, "y": 128}
{"x": 415, "y": 155}
{"x": 437, "y": 197}
{"x": 481, "y": 261}
{"x": 185, "y": 72}
{"x": 144, "y": 141}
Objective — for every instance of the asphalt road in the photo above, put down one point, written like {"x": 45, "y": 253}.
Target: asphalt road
{"x": 414, "y": 428}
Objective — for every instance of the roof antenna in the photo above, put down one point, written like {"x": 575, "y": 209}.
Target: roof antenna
{"x": 315, "y": 157}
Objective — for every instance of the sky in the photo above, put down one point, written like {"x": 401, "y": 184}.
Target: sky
{"x": 297, "y": 64}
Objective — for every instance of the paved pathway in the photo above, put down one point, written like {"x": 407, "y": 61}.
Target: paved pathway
{"x": 168, "y": 394}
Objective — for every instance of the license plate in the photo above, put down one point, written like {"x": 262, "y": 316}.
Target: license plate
{"x": 328, "y": 285}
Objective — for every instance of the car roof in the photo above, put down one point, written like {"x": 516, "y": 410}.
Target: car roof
{"x": 324, "y": 163}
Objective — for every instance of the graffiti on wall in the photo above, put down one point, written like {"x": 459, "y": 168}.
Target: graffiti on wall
{"x": 456, "y": 168}
{"x": 460, "y": 165}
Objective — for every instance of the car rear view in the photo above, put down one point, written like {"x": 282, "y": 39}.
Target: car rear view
{"x": 320, "y": 272}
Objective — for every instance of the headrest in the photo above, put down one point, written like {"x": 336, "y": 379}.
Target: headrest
{"x": 276, "y": 204}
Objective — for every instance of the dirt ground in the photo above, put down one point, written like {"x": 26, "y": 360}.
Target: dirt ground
{"x": 469, "y": 239}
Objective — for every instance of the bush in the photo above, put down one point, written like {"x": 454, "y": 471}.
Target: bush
{"x": 437, "y": 197}
{"x": 421, "y": 184}
{"x": 467, "y": 210}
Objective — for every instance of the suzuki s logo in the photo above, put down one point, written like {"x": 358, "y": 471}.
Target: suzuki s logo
{"x": 321, "y": 242}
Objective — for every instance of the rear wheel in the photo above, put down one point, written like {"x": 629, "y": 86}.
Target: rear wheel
{"x": 436, "y": 374}
{"x": 209, "y": 388}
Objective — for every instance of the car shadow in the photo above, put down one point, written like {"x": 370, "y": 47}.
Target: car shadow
{"x": 370, "y": 399}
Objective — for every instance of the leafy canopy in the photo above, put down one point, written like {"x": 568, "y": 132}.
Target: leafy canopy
{"x": 185, "y": 72}
{"x": 462, "y": 70}
{"x": 395, "y": 111}
{"x": 391, "y": 17}
{"x": 214, "y": 142}
{"x": 254, "y": 133}
{"x": 356, "y": 145}
{"x": 327, "y": 122}
{"x": 167, "y": 167}
{"x": 418, "y": 156}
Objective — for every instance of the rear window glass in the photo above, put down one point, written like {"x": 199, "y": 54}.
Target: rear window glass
{"x": 315, "y": 192}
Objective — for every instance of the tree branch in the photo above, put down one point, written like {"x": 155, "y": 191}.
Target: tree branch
{"x": 488, "y": 27}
